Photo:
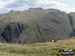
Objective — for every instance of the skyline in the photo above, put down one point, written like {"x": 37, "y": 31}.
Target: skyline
{"x": 20, "y": 5}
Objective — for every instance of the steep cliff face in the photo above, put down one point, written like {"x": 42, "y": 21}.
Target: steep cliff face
{"x": 72, "y": 21}
{"x": 35, "y": 25}
{"x": 12, "y": 31}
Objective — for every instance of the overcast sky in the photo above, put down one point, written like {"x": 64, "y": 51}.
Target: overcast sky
{"x": 64, "y": 5}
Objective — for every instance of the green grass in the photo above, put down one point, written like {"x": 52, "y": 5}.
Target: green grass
{"x": 39, "y": 49}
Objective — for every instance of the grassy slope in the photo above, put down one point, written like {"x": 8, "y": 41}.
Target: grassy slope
{"x": 39, "y": 49}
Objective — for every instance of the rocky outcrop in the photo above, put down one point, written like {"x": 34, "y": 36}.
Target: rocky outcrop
{"x": 12, "y": 31}
{"x": 72, "y": 20}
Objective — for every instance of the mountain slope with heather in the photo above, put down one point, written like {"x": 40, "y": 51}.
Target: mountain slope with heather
{"x": 35, "y": 25}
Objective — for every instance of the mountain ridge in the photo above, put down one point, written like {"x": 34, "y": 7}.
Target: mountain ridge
{"x": 36, "y": 25}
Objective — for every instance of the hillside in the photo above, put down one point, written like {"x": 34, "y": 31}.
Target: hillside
{"x": 39, "y": 49}
{"x": 35, "y": 25}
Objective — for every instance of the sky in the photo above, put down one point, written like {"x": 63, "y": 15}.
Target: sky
{"x": 20, "y": 5}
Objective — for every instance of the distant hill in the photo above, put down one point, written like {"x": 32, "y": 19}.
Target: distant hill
{"x": 35, "y": 25}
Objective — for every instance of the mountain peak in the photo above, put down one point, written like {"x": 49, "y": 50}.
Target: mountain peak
{"x": 35, "y": 9}
{"x": 12, "y": 11}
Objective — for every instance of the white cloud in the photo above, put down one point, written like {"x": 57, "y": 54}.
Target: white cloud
{"x": 4, "y": 3}
{"x": 10, "y": 1}
{"x": 56, "y": 5}
{"x": 25, "y": 4}
{"x": 22, "y": 8}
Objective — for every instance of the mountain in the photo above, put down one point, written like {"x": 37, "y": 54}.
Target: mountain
{"x": 35, "y": 25}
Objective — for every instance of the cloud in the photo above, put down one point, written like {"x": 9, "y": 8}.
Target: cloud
{"x": 34, "y": 3}
{"x": 61, "y": 5}
{"x": 25, "y": 4}
{"x": 49, "y": 2}
{"x": 3, "y": 3}
{"x": 54, "y": 4}
{"x": 17, "y": 3}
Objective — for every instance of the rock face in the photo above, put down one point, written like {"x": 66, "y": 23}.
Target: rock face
{"x": 12, "y": 31}
{"x": 36, "y": 25}
{"x": 72, "y": 21}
